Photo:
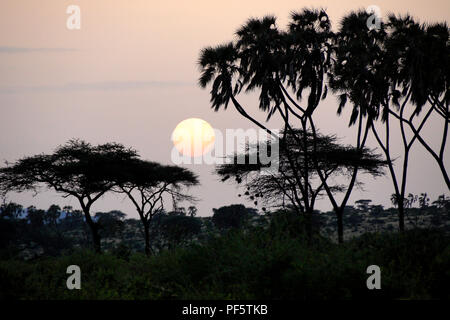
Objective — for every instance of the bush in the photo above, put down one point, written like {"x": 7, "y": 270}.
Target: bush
{"x": 246, "y": 265}
{"x": 233, "y": 216}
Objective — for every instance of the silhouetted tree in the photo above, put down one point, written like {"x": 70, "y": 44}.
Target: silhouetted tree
{"x": 280, "y": 188}
{"x": 35, "y": 217}
{"x": 11, "y": 210}
{"x": 282, "y": 65}
{"x": 424, "y": 200}
{"x": 233, "y": 216}
{"x": 73, "y": 218}
{"x": 111, "y": 224}
{"x": 192, "y": 211}
{"x": 76, "y": 169}
{"x": 363, "y": 204}
{"x": 52, "y": 215}
{"x": 146, "y": 183}
{"x": 176, "y": 229}
{"x": 419, "y": 55}
{"x": 381, "y": 72}
{"x": 442, "y": 202}
{"x": 271, "y": 61}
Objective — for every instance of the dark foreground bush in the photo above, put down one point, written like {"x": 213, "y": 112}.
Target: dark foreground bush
{"x": 252, "y": 265}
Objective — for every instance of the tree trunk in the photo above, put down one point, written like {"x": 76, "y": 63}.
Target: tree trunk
{"x": 92, "y": 225}
{"x": 340, "y": 224}
{"x": 148, "y": 250}
{"x": 308, "y": 226}
{"x": 444, "y": 172}
{"x": 94, "y": 231}
{"x": 401, "y": 216}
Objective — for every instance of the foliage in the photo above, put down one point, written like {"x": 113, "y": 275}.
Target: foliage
{"x": 274, "y": 188}
{"x": 177, "y": 229}
{"x": 145, "y": 183}
{"x": 233, "y": 216}
{"x": 110, "y": 223}
{"x": 256, "y": 265}
{"x": 76, "y": 169}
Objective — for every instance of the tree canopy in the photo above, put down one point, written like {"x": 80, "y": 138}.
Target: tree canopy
{"x": 76, "y": 169}
{"x": 146, "y": 184}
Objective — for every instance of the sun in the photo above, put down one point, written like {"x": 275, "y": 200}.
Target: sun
{"x": 193, "y": 137}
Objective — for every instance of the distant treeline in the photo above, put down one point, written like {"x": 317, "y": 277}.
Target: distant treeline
{"x": 28, "y": 233}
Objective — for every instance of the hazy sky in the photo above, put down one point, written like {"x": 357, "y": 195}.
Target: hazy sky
{"x": 129, "y": 75}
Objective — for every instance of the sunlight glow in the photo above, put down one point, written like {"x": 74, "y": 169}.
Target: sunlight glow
{"x": 193, "y": 137}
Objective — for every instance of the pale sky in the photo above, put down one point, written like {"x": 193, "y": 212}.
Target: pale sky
{"x": 129, "y": 75}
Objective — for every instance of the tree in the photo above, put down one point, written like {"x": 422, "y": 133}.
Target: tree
{"x": 410, "y": 200}
{"x": 363, "y": 204}
{"x": 110, "y": 223}
{"x": 73, "y": 218}
{"x": 8, "y": 233}
{"x": 420, "y": 55}
{"x": 410, "y": 80}
{"x": 192, "y": 211}
{"x": 233, "y": 216}
{"x": 178, "y": 228}
{"x": 282, "y": 65}
{"x": 442, "y": 202}
{"x": 282, "y": 189}
{"x": 424, "y": 200}
{"x": 35, "y": 217}
{"x": 52, "y": 215}
{"x": 146, "y": 183}
{"x": 76, "y": 169}
{"x": 11, "y": 210}
{"x": 381, "y": 72}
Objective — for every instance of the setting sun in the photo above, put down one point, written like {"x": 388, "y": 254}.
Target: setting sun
{"x": 193, "y": 137}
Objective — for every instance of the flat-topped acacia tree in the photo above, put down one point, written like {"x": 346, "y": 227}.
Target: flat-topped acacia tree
{"x": 146, "y": 183}
{"x": 280, "y": 188}
{"x": 76, "y": 169}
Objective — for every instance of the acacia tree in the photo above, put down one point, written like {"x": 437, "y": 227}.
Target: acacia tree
{"x": 282, "y": 66}
{"x": 76, "y": 169}
{"x": 146, "y": 183}
{"x": 280, "y": 188}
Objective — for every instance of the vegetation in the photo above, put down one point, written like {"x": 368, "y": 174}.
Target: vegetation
{"x": 88, "y": 172}
{"x": 257, "y": 265}
{"x": 284, "y": 187}
{"x": 145, "y": 183}
{"x": 76, "y": 169}
{"x": 389, "y": 73}
{"x": 235, "y": 254}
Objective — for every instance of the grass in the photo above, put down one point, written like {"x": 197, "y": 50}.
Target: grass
{"x": 250, "y": 265}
